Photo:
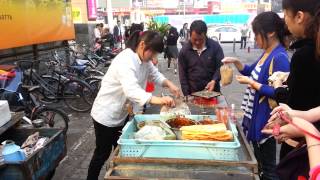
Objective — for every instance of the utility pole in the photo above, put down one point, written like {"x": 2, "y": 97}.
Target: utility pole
{"x": 110, "y": 15}
{"x": 184, "y": 8}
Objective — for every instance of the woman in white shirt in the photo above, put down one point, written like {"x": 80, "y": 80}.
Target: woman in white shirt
{"x": 125, "y": 83}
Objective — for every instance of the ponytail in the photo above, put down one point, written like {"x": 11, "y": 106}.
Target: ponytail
{"x": 153, "y": 41}
{"x": 268, "y": 22}
{"x": 133, "y": 40}
{"x": 282, "y": 31}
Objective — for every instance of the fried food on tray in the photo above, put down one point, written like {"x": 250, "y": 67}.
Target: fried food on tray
{"x": 207, "y": 121}
{"x": 214, "y": 132}
{"x": 180, "y": 121}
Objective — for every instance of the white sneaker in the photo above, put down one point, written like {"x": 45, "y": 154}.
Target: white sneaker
{"x": 175, "y": 71}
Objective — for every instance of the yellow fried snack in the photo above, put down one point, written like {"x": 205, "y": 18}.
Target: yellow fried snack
{"x": 212, "y": 132}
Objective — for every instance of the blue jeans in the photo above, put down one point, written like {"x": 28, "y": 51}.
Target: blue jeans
{"x": 266, "y": 156}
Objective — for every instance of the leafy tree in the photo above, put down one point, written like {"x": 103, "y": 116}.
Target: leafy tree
{"x": 162, "y": 28}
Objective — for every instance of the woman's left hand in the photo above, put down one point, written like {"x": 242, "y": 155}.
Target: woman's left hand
{"x": 243, "y": 79}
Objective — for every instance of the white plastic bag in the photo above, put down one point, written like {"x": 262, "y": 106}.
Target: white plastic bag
{"x": 150, "y": 132}
{"x": 181, "y": 108}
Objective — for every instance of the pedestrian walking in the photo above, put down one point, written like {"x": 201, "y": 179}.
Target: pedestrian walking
{"x": 172, "y": 49}
{"x": 117, "y": 33}
{"x": 184, "y": 34}
{"x": 244, "y": 35}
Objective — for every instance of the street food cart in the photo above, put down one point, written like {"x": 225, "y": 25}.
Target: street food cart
{"x": 41, "y": 163}
{"x": 243, "y": 167}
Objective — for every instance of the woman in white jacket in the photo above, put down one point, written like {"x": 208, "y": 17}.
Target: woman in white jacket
{"x": 125, "y": 83}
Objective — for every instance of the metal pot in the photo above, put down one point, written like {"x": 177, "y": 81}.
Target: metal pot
{"x": 37, "y": 123}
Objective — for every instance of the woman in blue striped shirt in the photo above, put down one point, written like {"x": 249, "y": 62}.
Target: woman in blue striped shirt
{"x": 269, "y": 30}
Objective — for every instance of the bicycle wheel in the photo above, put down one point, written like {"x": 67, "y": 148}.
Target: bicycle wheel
{"x": 93, "y": 72}
{"x": 78, "y": 95}
{"x": 53, "y": 118}
{"x": 95, "y": 85}
{"x": 49, "y": 87}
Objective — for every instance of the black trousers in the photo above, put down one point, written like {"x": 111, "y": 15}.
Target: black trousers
{"x": 243, "y": 42}
{"x": 106, "y": 137}
{"x": 266, "y": 156}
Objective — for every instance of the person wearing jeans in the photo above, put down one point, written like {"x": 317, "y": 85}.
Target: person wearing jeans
{"x": 244, "y": 34}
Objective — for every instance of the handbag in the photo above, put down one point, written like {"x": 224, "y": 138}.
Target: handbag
{"x": 272, "y": 103}
{"x": 294, "y": 165}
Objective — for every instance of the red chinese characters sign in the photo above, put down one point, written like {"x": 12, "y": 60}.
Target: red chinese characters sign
{"x": 92, "y": 9}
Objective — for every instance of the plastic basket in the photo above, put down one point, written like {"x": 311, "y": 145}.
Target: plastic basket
{"x": 209, "y": 150}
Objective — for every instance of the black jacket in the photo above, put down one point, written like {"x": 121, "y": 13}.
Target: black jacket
{"x": 172, "y": 38}
{"x": 303, "y": 92}
{"x": 195, "y": 71}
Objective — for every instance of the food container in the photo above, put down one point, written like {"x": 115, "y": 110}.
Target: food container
{"x": 185, "y": 149}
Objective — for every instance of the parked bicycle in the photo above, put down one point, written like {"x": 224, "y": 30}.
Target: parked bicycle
{"x": 76, "y": 94}
{"x": 21, "y": 98}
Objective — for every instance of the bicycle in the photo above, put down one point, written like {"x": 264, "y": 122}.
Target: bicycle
{"x": 77, "y": 94}
{"x": 23, "y": 99}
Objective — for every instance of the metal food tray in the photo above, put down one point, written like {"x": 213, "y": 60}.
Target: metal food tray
{"x": 206, "y": 94}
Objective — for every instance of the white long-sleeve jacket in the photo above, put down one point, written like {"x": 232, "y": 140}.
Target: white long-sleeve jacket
{"x": 125, "y": 81}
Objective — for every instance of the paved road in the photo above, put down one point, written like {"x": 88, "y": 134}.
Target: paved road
{"x": 81, "y": 134}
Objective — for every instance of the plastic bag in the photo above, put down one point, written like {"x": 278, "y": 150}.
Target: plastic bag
{"x": 181, "y": 108}
{"x": 149, "y": 132}
{"x": 278, "y": 76}
{"x": 226, "y": 75}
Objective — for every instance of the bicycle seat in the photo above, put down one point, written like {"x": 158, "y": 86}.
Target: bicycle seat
{"x": 82, "y": 61}
{"x": 30, "y": 88}
{"x": 79, "y": 67}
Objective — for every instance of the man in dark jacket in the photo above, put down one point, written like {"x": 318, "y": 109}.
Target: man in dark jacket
{"x": 117, "y": 33}
{"x": 200, "y": 61}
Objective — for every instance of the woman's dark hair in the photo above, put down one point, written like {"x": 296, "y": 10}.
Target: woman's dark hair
{"x": 310, "y": 6}
{"x": 135, "y": 27}
{"x": 174, "y": 31}
{"x": 152, "y": 39}
{"x": 199, "y": 27}
{"x": 312, "y": 29}
{"x": 184, "y": 25}
{"x": 269, "y": 22}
